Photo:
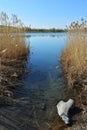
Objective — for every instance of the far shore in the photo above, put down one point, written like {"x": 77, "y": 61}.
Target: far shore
{"x": 53, "y": 30}
{"x": 28, "y": 29}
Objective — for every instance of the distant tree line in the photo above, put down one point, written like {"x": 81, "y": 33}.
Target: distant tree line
{"x": 28, "y": 29}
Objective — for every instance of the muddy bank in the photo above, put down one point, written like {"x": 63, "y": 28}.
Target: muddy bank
{"x": 10, "y": 78}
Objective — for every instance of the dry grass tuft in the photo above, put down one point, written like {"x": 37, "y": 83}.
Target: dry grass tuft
{"x": 74, "y": 56}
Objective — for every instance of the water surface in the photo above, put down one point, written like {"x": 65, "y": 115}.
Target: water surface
{"x": 43, "y": 87}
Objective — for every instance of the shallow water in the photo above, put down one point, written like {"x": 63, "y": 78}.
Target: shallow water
{"x": 44, "y": 86}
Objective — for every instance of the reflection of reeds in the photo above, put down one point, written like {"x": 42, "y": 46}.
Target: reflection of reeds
{"x": 10, "y": 39}
{"x": 74, "y": 56}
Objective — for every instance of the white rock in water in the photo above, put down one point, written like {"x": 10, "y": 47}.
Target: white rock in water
{"x": 63, "y": 109}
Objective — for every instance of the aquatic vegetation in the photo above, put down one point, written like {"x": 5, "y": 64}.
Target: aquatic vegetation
{"x": 74, "y": 56}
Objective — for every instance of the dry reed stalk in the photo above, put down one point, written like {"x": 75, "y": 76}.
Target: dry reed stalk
{"x": 10, "y": 39}
{"x": 74, "y": 56}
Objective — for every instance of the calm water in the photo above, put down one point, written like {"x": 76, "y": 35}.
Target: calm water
{"x": 43, "y": 87}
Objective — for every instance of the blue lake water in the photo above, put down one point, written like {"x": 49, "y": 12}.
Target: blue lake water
{"x": 43, "y": 61}
{"x": 44, "y": 85}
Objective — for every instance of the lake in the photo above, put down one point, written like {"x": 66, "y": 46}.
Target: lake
{"x": 44, "y": 85}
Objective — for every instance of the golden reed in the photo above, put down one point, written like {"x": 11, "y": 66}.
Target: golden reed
{"x": 12, "y": 45}
{"x": 74, "y": 56}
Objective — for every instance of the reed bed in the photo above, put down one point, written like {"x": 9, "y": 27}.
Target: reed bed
{"x": 13, "y": 55}
{"x": 12, "y": 45}
{"x": 74, "y": 56}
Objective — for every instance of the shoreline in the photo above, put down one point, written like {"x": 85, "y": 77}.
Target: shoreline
{"x": 74, "y": 64}
{"x": 79, "y": 113}
{"x": 11, "y": 78}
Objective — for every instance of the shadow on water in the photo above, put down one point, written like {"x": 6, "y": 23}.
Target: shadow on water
{"x": 35, "y": 103}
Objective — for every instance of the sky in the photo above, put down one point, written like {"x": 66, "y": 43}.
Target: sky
{"x": 46, "y": 13}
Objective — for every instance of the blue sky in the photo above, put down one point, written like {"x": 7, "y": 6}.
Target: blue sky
{"x": 46, "y": 13}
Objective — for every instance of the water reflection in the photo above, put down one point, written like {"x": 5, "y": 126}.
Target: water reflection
{"x": 35, "y": 104}
{"x": 54, "y": 35}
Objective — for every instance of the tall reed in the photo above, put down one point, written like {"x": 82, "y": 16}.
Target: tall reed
{"x": 12, "y": 45}
{"x": 74, "y": 56}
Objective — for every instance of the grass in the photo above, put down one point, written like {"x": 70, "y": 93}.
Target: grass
{"x": 74, "y": 56}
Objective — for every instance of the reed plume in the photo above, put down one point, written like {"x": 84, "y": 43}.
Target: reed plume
{"x": 74, "y": 56}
